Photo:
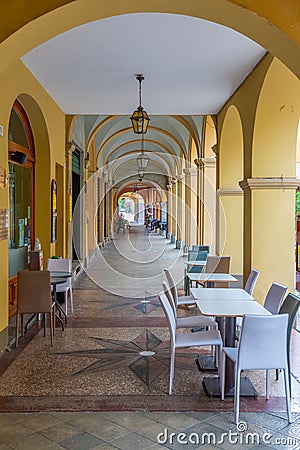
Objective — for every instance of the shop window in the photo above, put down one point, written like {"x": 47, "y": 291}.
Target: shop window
{"x": 21, "y": 159}
{"x": 20, "y": 209}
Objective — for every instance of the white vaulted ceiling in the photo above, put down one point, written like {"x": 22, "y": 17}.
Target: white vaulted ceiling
{"x": 191, "y": 66}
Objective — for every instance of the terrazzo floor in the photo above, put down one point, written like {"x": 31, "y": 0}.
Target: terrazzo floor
{"x": 93, "y": 389}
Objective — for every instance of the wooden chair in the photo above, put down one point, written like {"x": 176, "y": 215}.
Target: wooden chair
{"x": 218, "y": 264}
{"x": 34, "y": 296}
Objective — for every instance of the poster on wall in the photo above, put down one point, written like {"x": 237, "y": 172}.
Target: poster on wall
{"x": 53, "y": 211}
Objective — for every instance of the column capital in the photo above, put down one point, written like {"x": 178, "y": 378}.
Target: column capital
{"x": 169, "y": 187}
{"x": 70, "y": 147}
{"x": 269, "y": 183}
{"x": 230, "y": 192}
{"x": 192, "y": 171}
{"x": 204, "y": 163}
{"x": 215, "y": 149}
{"x": 180, "y": 178}
{"x": 172, "y": 180}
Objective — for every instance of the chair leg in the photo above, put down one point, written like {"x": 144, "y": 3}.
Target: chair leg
{"x": 71, "y": 299}
{"x": 17, "y": 329}
{"x": 222, "y": 380}
{"x": 287, "y": 395}
{"x": 267, "y": 384}
{"x": 172, "y": 364}
{"x": 51, "y": 327}
{"x": 237, "y": 395}
{"x": 66, "y": 302}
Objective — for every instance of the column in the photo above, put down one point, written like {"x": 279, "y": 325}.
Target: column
{"x": 180, "y": 212}
{"x": 269, "y": 240}
{"x": 230, "y": 227}
{"x": 207, "y": 202}
{"x": 169, "y": 211}
{"x": 191, "y": 226}
{"x": 174, "y": 210}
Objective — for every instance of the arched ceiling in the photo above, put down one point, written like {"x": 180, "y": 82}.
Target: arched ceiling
{"x": 190, "y": 71}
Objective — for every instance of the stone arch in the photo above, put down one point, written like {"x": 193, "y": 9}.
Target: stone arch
{"x": 42, "y": 170}
{"x": 276, "y": 124}
{"x": 267, "y": 25}
{"x": 272, "y": 186}
{"x": 230, "y": 195}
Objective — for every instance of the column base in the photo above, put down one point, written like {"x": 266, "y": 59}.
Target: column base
{"x": 169, "y": 236}
{"x": 186, "y": 249}
{"x": 179, "y": 243}
{"x": 173, "y": 239}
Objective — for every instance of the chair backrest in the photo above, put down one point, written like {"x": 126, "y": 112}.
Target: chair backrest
{"x": 169, "y": 296}
{"x": 251, "y": 280}
{"x": 217, "y": 264}
{"x": 274, "y": 297}
{"x": 263, "y": 342}
{"x": 34, "y": 291}
{"x": 200, "y": 248}
{"x": 195, "y": 255}
{"x": 169, "y": 315}
{"x": 62, "y": 265}
{"x": 290, "y": 306}
{"x": 172, "y": 286}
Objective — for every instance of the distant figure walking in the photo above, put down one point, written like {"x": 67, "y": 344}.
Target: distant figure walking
{"x": 121, "y": 222}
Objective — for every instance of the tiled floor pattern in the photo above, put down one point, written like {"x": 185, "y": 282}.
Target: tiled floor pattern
{"x": 132, "y": 431}
{"x": 93, "y": 389}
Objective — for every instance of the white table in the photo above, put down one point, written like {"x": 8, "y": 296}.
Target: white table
{"x": 228, "y": 308}
{"x": 204, "y": 277}
{"x": 196, "y": 263}
{"x": 220, "y": 294}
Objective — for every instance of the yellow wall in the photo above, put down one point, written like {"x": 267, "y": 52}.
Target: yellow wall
{"x": 231, "y": 231}
{"x": 273, "y": 244}
{"x": 230, "y": 241}
{"x": 276, "y": 124}
{"x": 231, "y": 150}
{"x": 47, "y": 122}
{"x": 268, "y": 103}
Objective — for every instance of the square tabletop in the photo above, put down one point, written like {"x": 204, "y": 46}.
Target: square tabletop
{"x": 211, "y": 277}
{"x": 230, "y": 294}
{"x": 196, "y": 263}
{"x": 231, "y": 308}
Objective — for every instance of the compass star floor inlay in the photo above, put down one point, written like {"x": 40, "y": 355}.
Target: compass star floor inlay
{"x": 116, "y": 354}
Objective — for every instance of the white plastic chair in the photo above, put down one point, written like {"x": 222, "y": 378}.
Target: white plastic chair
{"x": 263, "y": 345}
{"x": 251, "y": 281}
{"x": 186, "y": 340}
{"x": 183, "y": 299}
{"x": 188, "y": 322}
{"x": 274, "y": 297}
{"x": 249, "y": 287}
{"x": 63, "y": 265}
